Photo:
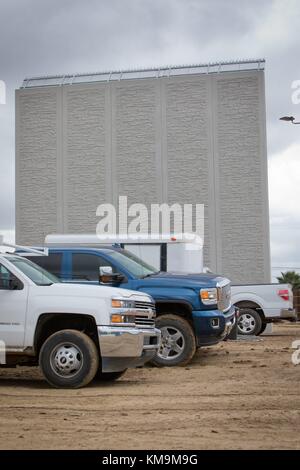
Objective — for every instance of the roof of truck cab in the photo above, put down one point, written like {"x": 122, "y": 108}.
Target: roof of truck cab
{"x": 83, "y": 247}
{"x": 71, "y": 248}
{"x": 9, "y": 255}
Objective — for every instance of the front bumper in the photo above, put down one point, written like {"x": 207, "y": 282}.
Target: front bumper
{"x": 206, "y": 333}
{"x": 288, "y": 314}
{"x": 125, "y": 347}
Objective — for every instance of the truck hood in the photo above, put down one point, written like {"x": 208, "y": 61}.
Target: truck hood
{"x": 90, "y": 290}
{"x": 173, "y": 279}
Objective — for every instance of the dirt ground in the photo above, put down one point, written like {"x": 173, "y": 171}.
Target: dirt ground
{"x": 237, "y": 395}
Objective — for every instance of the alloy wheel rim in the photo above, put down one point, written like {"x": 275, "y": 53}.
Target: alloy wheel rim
{"x": 172, "y": 343}
{"x": 246, "y": 323}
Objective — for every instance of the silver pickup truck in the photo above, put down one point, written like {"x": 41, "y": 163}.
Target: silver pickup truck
{"x": 261, "y": 304}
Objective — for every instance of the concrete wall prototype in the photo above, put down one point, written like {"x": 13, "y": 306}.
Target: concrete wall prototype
{"x": 188, "y": 139}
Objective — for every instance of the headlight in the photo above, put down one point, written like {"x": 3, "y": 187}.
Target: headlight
{"x": 120, "y": 303}
{"x": 119, "y": 318}
{"x": 124, "y": 311}
{"x": 209, "y": 296}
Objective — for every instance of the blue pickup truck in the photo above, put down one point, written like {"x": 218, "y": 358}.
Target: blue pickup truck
{"x": 193, "y": 310}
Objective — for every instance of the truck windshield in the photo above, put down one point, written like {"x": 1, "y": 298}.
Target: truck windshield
{"x": 134, "y": 265}
{"x": 38, "y": 275}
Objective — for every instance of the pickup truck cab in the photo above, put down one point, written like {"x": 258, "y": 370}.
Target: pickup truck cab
{"x": 260, "y": 304}
{"x": 193, "y": 310}
{"x": 74, "y": 332}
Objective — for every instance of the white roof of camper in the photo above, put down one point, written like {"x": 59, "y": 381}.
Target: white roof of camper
{"x": 156, "y": 72}
{"x": 93, "y": 239}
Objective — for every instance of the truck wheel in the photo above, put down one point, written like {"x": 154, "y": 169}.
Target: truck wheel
{"x": 249, "y": 322}
{"x": 178, "y": 342}
{"x": 69, "y": 359}
{"x": 108, "y": 376}
{"x": 263, "y": 327}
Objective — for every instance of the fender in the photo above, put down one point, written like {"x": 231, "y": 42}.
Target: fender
{"x": 184, "y": 303}
{"x": 247, "y": 297}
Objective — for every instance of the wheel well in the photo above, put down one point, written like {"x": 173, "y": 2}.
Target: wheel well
{"x": 177, "y": 308}
{"x": 50, "y": 323}
{"x": 253, "y": 305}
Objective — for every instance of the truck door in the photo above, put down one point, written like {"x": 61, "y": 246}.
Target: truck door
{"x": 54, "y": 263}
{"x": 13, "y": 306}
{"x": 85, "y": 267}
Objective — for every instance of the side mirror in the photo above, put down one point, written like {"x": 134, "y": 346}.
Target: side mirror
{"x": 106, "y": 271}
{"x": 16, "y": 284}
{"x": 107, "y": 276}
{"x": 10, "y": 283}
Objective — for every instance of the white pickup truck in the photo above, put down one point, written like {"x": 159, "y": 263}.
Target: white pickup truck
{"x": 74, "y": 332}
{"x": 261, "y": 304}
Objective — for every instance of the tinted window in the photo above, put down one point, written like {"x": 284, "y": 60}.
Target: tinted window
{"x": 133, "y": 264}
{"x": 5, "y": 276}
{"x": 86, "y": 266}
{"x": 4, "y": 272}
{"x": 51, "y": 263}
{"x": 38, "y": 275}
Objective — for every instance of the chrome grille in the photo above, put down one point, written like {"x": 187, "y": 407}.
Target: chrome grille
{"x": 144, "y": 305}
{"x": 147, "y": 314}
{"x": 224, "y": 297}
{"x": 144, "y": 321}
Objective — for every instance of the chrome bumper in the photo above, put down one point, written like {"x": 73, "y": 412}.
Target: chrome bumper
{"x": 229, "y": 325}
{"x": 124, "y": 347}
{"x": 288, "y": 314}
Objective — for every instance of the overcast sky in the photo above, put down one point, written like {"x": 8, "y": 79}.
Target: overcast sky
{"x": 62, "y": 36}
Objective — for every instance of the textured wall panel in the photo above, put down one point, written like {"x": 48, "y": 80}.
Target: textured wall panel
{"x": 36, "y": 165}
{"x": 84, "y": 157}
{"x": 188, "y": 146}
{"x": 134, "y": 141}
{"x": 241, "y": 183}
{"x": 188, "y": 140}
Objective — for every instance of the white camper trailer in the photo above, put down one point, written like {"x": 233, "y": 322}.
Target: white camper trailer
{"x": 179, "y": 253}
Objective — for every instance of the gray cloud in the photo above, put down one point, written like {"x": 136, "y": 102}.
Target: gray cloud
{"x": 60, "y": 36}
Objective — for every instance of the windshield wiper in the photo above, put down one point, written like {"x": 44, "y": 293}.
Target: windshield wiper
{"x": 150, "y": 274}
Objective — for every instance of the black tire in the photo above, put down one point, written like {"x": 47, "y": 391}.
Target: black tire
{"x": 254, "y": 319}
{"x": 64, "y": 350}
{"x": 233, "y": 334}
{"x": 263, "y": 327}
{"x": 108, "y": 376}
{"x": 169, "y": 323}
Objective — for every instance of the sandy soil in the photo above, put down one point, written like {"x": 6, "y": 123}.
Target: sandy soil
{"x": 240, "y": 394}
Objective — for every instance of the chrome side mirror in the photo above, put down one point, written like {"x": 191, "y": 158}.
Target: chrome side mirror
{"x": 105, "y": 271}
{"x": 105, "y": 274}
